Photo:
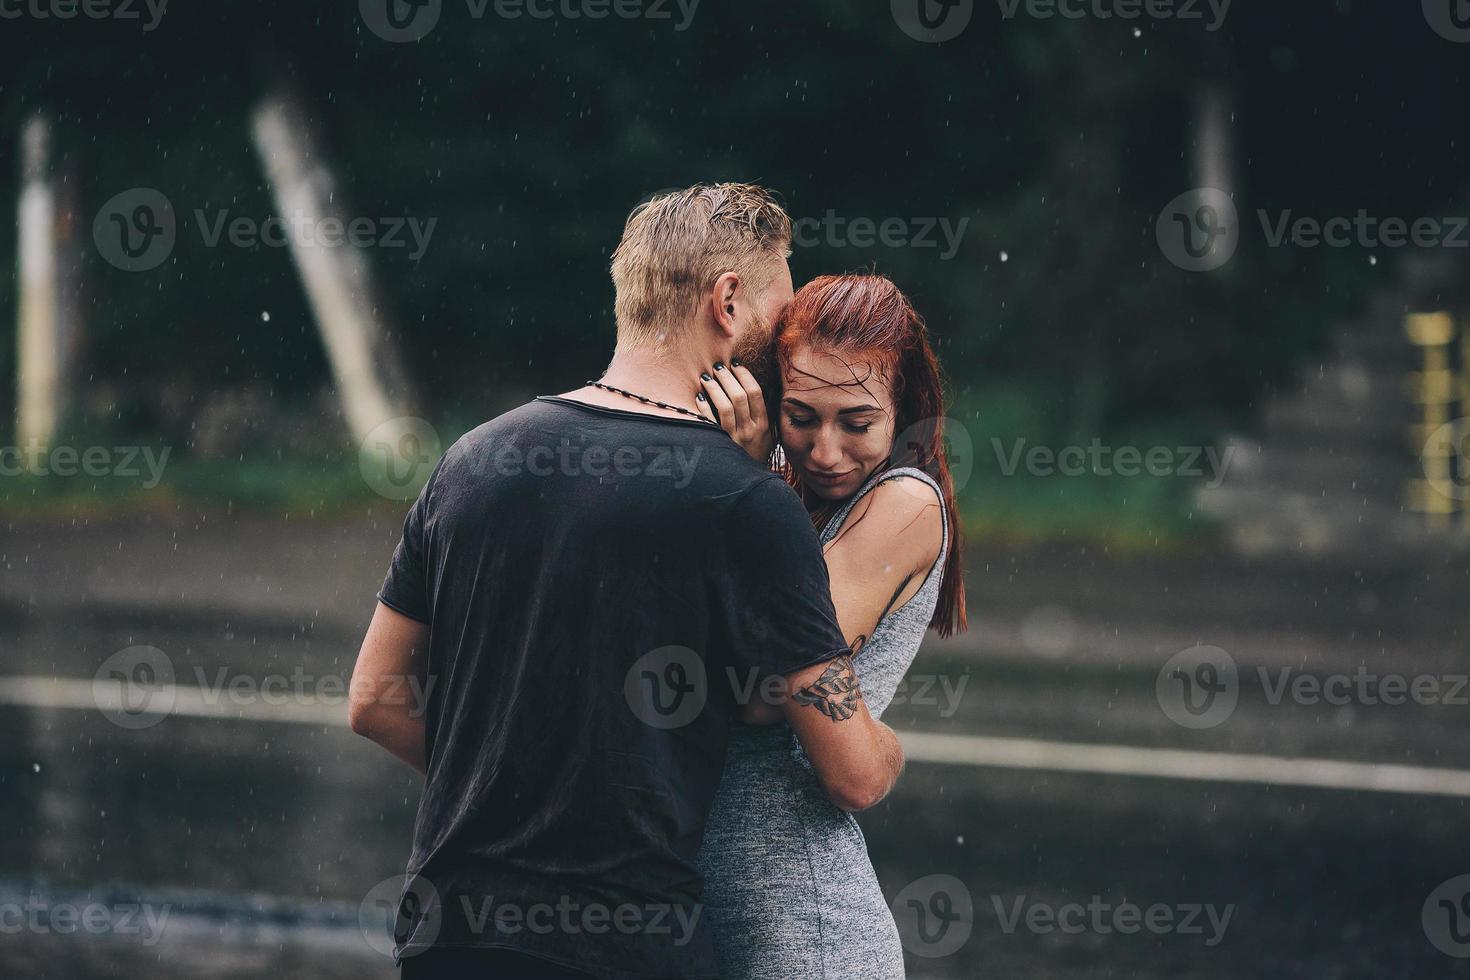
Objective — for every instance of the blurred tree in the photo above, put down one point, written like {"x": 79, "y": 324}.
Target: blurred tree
{"x": 528, "y": 140}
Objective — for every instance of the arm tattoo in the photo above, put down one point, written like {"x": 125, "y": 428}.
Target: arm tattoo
{"x": 836, "y": 693}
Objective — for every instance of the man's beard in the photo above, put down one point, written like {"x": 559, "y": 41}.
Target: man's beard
{"x": 757, "y": 353}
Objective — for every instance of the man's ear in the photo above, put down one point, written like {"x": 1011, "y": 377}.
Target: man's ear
{"x": 724, "y": 298}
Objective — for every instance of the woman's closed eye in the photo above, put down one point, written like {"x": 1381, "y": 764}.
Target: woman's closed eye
{"x": 807, "y": 421}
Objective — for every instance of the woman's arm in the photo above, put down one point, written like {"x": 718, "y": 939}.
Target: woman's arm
{"x": 876, "y": 562}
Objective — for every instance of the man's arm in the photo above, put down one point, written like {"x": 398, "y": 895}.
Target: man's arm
{"x": 857, "y": 758}
{"x": 880, "y": 558}
{"x": 388, "y": 685}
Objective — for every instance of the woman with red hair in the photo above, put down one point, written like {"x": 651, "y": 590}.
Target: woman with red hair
{"x": 789, "y": 888}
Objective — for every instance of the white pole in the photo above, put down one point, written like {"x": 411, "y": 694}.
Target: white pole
{"x": 1213, "y": 142}
{"x": 38, "y": 348}
{"x": 369, "y": 378}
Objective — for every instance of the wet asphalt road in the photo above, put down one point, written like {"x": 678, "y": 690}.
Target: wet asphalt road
{"x": 254, "y": 843}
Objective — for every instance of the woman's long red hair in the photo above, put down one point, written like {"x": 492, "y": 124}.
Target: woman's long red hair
{"x": 868, "y": 319}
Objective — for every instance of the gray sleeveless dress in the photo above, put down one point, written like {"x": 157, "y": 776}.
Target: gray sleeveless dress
{"x": 789, "y": 890}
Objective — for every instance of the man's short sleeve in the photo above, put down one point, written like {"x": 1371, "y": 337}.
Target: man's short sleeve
{"x": 406, "y": 587}
{"x": 775, "y": 602}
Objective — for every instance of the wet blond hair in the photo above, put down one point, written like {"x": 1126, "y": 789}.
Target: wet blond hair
{"x": 677, "y": 243}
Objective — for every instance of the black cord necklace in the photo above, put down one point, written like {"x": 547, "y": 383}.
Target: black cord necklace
{"x": 650, "y": 401}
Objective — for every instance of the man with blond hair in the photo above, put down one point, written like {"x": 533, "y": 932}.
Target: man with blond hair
{"x": 592, "y": 588}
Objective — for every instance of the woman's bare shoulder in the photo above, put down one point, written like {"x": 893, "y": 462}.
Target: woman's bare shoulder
{"x": 901, "y": 519}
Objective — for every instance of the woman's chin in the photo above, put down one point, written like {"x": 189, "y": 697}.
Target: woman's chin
{"x": 829, "y": 489}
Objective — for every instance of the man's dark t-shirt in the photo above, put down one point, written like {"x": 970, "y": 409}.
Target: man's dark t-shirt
{"x": 601, "y": 586}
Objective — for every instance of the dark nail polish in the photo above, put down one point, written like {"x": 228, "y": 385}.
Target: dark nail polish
{"x": 735, "y": 362}
{"x": 719, "y": 365}
{"x": 706, "y": 376}
{"x": 699, "y": 396}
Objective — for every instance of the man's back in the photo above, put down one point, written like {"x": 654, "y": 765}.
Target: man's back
{"x": 598, "y": 582}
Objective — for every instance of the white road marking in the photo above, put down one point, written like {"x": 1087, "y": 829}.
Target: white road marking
{"x": 171, "y": 699}
{"x": 980, "y": 751}
{"x": 1225, "y": 767}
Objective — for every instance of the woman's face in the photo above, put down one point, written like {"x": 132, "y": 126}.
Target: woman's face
{"x": 837, "y": 421}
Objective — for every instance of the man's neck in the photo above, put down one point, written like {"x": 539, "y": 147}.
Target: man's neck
{"x": 660, "y": 376}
